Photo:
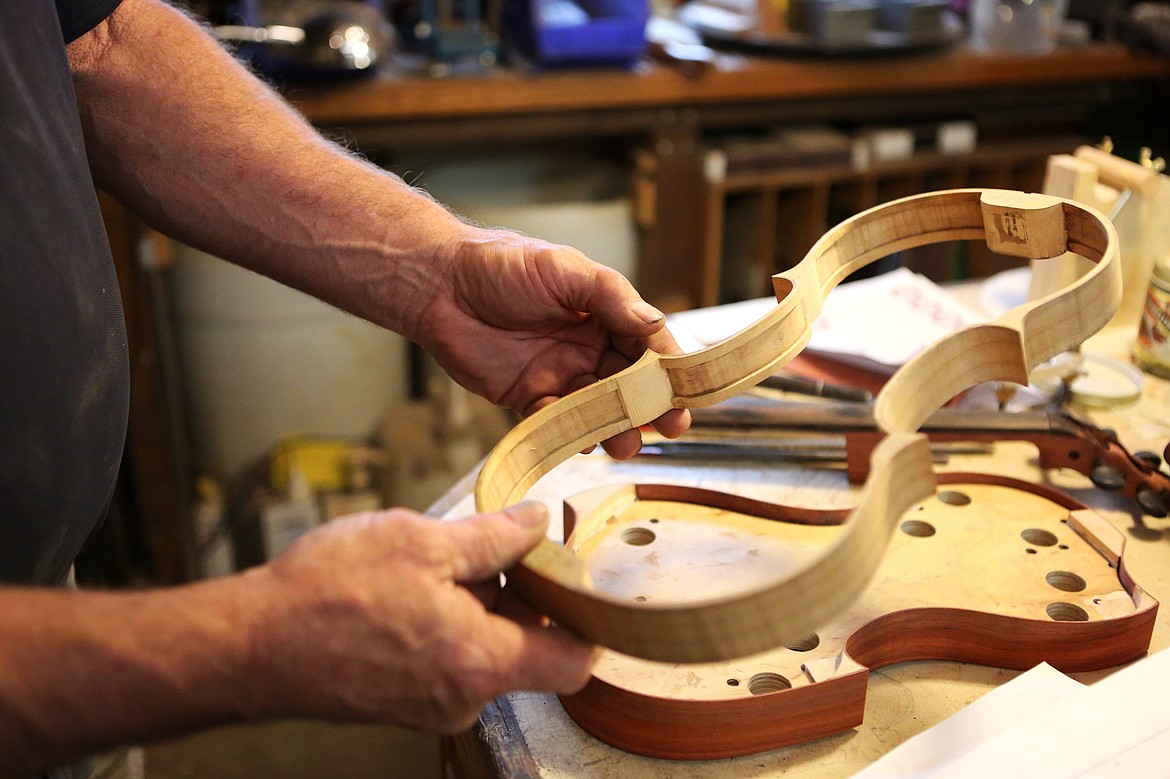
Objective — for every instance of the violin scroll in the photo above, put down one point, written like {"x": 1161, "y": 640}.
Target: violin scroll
{"x": 1136, "y": 475}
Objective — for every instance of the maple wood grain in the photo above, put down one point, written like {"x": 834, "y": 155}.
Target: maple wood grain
{"x": 1036, "y": 227}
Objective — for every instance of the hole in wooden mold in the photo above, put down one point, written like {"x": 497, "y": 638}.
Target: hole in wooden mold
{"x": 1067, "y": 612}
{"x": 641, "y": 598}
{"x": 918, "y": 528}
{"x": 806, "y": 644}
{"x": 638, "y": 536}
{"x": 1065, "y": 580}
{"x": 1035, "y": 535}
{"x": 768, "y": 682}
{"x": 733, "y": 682}
{"x": 954, "y": 498}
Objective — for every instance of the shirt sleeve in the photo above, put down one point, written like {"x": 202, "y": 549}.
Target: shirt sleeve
{"x": 80, "y": 16}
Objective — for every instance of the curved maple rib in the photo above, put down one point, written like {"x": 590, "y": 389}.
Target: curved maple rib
{"x": 552, "y": 580}
{"x": 740, "y": 625}
{"x": 1008, "y": 348}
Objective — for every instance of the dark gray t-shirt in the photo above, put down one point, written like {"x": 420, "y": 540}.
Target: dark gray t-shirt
{"x": 64, "y": 380}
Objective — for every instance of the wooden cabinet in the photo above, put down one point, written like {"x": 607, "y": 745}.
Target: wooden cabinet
{"x": 790, "y": 207}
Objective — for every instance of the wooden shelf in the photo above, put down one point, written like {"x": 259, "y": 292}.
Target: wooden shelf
{"x": 658, "y": 110}
{"x": 922, "y": 163}
{"x": 736, "y": 79}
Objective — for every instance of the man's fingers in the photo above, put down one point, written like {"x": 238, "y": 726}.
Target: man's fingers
{"x": 608, "y": 295}
{"x": 486, "y": 544}
{"x": 584, "y": 285}
{"x": 510, "y": 605}
{"x": 624, "y": 445}
{"x": 673, "y": 423}
{"x": 543, "y": 658}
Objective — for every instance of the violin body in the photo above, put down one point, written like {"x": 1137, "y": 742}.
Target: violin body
{"x": 989, "y": 570}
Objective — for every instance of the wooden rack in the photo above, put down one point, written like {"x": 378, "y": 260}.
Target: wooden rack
{"x": 790, "y": 208}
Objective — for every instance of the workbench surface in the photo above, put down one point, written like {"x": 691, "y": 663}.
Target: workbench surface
{"x": 530, "y": 735}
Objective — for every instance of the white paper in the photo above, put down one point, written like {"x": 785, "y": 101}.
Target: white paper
{"x": 887, "y": 319}
{"x": 1043, "y": 725}
{"x": 880, "y": 322}
{"x": 1148, "y": 759}
{"x": 1025, "y": 697}
{"x": 702, "y": 327}
{"x": 1105, "y": 722}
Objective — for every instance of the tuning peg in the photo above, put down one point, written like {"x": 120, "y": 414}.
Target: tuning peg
{"x": 1107, "y": 477}
{"x": 1148, "y": 161}
{"x": 1152, "y": 503}
{"x": 1149, "y": 457}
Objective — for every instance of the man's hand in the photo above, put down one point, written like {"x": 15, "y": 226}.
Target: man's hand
{"x": 368, "y": 619}
{"x": 365, "y": 619}
{"x": 524, "y": 322}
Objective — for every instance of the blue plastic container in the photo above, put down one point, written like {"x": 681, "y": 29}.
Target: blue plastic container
{"x": 609, "y": 32}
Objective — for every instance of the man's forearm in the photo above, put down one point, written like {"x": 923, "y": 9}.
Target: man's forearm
{"x": 187, "y": 137}
{"x": 84, "y": 671}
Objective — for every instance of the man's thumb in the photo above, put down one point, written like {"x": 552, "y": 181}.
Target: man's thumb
{"x": 490, "y": 543}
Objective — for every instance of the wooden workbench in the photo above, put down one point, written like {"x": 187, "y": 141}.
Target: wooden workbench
{"x": 529, "y": 735}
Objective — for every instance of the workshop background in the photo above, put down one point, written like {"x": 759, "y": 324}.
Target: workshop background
{"x": 259, "y": 413}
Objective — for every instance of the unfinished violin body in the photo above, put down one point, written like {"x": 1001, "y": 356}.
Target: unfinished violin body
{"x": 794, "y": 600}
{"x": 990, "y": 570}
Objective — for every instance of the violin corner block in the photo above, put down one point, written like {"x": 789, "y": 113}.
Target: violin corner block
{"x": 1024, "y": 225}
{"x": 645, "y": 390}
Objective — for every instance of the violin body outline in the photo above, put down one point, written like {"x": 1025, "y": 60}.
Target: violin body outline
{"x": 555, "y": 583}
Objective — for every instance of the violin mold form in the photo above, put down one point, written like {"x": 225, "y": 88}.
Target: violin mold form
{"x": 990, "y": 570}
{"x": 1035, "y": 227}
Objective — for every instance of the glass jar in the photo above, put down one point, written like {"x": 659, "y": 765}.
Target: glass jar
{"x": 1016, "y": 26}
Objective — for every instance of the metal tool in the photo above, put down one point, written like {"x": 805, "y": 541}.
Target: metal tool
{"x": 1063, "y": 440}
{"x": 817, "y": 388}
{"x": 345, "y": 37}
{"x": 830, "y": 449}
